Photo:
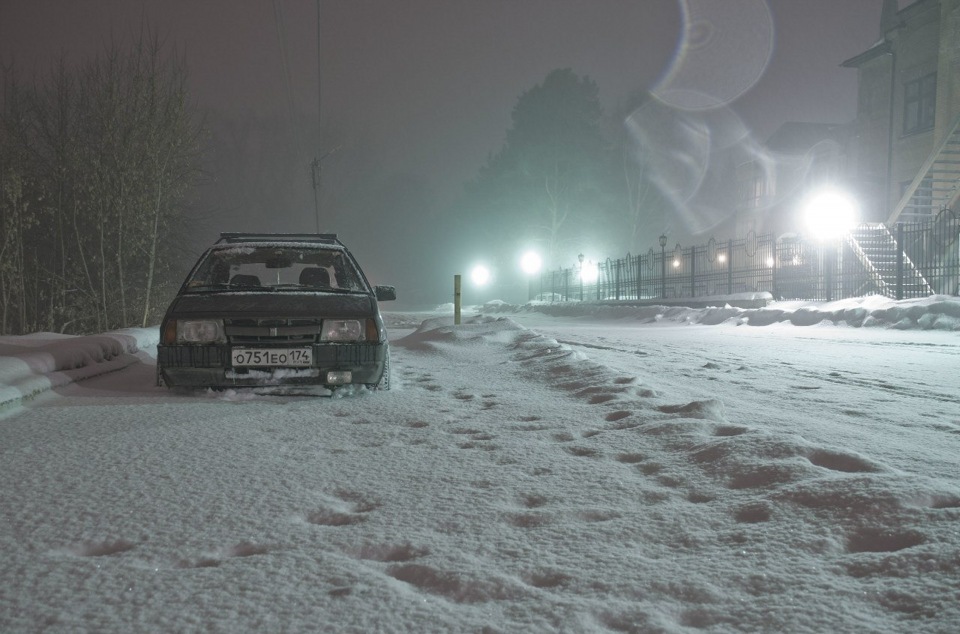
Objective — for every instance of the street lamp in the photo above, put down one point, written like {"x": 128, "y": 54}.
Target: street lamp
{"x": 590, "y": 272}
{"x": 480, "y": 275}
{"x": 663, "y": 266}
{"x": 830, "y": 215}
{"x": 530, "y": 263}
{"x": 580, "y": 259}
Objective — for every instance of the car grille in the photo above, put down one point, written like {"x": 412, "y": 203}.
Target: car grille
{"x": 272, "y": 331}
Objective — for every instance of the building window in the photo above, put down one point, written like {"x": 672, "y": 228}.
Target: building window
{"x": 919, "y": 104}
{"x": 751, "y": 192}
{"x": 754, "y": 184}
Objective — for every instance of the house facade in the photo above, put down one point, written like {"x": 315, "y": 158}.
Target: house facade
{"x": 774, "y": 180}
{"x": 900, "y": 157}
{"x": 905, "y": 150}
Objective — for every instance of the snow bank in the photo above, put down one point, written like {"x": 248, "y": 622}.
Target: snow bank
{"x": 938, "y": 312}
{"x": 34, "y": 363}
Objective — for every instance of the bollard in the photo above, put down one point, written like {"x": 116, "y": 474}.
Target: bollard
{"x": 456, "y": 300}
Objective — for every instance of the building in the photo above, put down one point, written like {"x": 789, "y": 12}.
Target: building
{"x": 774, "y": 180}
{"x": 905, "y": 152}
{"x": 899, "y": 159}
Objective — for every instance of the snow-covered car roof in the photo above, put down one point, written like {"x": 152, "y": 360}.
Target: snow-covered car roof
{"x": 282, "y": 239}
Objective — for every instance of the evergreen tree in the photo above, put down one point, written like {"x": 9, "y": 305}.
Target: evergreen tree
{"x": 553, "y": 175}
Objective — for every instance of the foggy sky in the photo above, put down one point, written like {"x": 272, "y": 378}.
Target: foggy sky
{"x": 428, "y": 85}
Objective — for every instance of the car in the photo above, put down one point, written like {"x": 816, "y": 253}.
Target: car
{"x": 265, "y": 309}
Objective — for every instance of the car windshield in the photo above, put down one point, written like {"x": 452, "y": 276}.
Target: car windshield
{"x": 273, "y": 267}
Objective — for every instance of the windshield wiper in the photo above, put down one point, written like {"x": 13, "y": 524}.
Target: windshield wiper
{"x": 201, "y": 288}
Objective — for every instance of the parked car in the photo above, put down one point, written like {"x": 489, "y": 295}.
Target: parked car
{"x": 275, "y": 309}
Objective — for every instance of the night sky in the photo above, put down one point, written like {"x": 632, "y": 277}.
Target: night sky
{"x": 424, "y": 88}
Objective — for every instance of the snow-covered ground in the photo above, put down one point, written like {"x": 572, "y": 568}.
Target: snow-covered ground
{"x": 535, "y": 469}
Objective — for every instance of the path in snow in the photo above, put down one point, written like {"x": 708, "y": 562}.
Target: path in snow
{"x": 509, "y": 482}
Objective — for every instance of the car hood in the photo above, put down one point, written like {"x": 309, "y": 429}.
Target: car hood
{"x": 261, "y": 305}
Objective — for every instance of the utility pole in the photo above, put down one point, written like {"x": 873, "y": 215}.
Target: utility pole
{"x": 316, "y": 170}
{"x": 315, "y": 174}
{"x": 316, "y": 165}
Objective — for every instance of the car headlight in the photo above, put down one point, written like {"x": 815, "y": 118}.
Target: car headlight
{"x": 342, "y": 330}
{"x": 200, "y": 331}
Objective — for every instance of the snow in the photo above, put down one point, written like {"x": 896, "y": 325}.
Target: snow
{"x": 538, "y": 468}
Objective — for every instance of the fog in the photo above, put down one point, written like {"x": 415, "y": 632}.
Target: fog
{"x": 415, "y": 96}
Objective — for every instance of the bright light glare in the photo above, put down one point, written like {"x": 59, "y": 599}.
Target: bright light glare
{"x": 480, "y": 275}
{"x": 589, "y": 272}
{"x": 770, "y": 262}
{"x": 676, "y": 264}
{"x": 530, "y": 263}
{"x": 722, "y": 258}
{"x": 830, "y": 214}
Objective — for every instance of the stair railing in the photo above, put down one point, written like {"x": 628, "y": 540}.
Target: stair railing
{"x": 922, "y": 173}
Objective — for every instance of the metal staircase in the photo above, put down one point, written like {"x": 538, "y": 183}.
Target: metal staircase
{"x": 937, "y": 184}
{"x": 881, "y": 256}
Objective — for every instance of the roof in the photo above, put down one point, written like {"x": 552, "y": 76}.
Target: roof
{"x": 315, "y": 238}
{"x": 880, "y": 48}
{"x": 795, "y": 136}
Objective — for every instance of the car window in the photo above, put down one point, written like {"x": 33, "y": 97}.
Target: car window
{"x": 272, "y": 267}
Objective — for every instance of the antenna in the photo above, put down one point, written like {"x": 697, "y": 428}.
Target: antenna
{"x": 317, "y": 169}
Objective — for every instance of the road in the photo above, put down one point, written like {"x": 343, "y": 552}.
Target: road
{"x": 828, "y": 384}
{"x": 527, "y": 473}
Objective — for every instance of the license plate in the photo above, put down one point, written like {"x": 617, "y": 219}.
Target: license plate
{"x": 272, "y": 357}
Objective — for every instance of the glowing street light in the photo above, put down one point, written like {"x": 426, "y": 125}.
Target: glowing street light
{"x": 830, "y": 214}
{"x": 480, "y": 275}
{"x": 531, "y": 263}
{"x": 589, "y": 272}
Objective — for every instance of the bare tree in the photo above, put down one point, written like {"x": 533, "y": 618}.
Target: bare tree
{"x": 96, "y": 163}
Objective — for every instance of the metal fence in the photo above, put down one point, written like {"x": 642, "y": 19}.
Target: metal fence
{"x": 788, "y": 268}
{"x": 935, "y": 247}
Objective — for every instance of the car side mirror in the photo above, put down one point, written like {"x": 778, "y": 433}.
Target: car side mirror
{"x": 385, "y": 293}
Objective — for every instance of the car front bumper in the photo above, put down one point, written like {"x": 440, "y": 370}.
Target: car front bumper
{"x": 210, "y": 366}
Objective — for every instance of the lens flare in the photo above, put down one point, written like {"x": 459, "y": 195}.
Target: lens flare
{"x": 723, "y": 51}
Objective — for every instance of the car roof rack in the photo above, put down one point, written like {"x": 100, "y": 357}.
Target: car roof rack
{"x": 323, "y": 238}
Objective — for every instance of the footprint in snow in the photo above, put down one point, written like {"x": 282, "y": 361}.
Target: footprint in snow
{"x": 215, "y": 559}
{"x": 347, "y": 508}
{"x": 391, "y": 553}
{"x": 101, "y": 548}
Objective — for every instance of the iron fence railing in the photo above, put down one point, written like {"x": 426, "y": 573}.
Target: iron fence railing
{"x": 788, "y": 268}
{"x": 935, "y": 248}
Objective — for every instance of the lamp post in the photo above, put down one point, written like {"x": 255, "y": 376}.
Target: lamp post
{"x": 831, "y": 214}
{"x": 530, "y": 263}
{"x": 663, "y": 266}
{"x": 580, "y": 259}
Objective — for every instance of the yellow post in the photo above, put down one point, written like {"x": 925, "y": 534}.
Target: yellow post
{"x": 456, "y": 300}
